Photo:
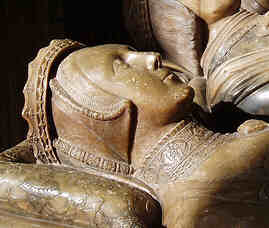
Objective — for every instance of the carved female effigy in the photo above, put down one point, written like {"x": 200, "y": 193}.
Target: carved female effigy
{"x": 114, "y": 139}
{"x": 96, "y": 167}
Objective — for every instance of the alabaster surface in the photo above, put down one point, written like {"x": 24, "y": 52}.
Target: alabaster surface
{"x": 161, "y": 166}
{"x": 124, "y": 138}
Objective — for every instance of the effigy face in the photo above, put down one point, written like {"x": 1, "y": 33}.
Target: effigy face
{"x": 141, "y": 77}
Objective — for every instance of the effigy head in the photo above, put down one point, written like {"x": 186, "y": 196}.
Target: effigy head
{"x": 101, "y": 88}
{"x": 111, "y": 87}
{"x": 74, "y": 83}
{"x": 235, "y": 63}
{"x": 104, "y": 80}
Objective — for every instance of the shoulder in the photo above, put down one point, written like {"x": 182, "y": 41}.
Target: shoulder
{"x": 244, "y": 153}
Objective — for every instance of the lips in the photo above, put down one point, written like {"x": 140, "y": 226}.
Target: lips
{"x": 175, "y": 77}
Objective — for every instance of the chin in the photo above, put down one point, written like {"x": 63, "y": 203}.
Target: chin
{"x": 184, "y": 96}
{"x": 184, "y": 103}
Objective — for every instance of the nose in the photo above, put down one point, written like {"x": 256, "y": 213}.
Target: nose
{"x": 147, "y": 60}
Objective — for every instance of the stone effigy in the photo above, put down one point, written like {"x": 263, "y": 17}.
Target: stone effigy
{"x": 126, "y": 148}
{"x": 115, "y": 139}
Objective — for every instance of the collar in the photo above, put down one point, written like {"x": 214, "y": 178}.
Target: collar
{"x": 179, "y": 153}
{"x": 100, "y": 166}
{"x": 93, "y": 161}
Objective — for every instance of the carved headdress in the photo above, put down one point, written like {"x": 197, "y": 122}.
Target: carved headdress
{"x": 98, "y": 108}
{"x": 235, "y": 63}
{"x": 94, "y": 111}
{"x": 35, "y": 110}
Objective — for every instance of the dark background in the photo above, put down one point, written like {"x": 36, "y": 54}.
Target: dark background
{"x": 28, "y": 25}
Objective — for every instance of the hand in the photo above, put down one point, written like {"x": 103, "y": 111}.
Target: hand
{"x": 252, "y": 126}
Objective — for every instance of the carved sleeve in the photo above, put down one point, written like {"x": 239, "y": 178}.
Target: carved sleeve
{"x": 71, "y": 197}
{"x": 257, "y": 6}
{"x": 21, "y": 153}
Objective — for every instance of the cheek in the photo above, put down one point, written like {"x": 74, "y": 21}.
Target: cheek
{"x": 181, "y": 93}
{"x": 142, "y": 85}
{"x": 166, "y": 99}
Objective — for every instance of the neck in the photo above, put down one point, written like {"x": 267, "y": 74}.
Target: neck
{"x": 146, "y": 137}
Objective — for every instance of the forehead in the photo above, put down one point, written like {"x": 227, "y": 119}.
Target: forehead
{"x": 98, "y": 60}
{"x": 109, "y": 50}
{"x": 94, "y": 64}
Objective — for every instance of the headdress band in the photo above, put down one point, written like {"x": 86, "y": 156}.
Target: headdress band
{"x": 36, "y": 97}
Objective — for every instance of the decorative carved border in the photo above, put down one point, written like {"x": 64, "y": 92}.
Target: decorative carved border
{"x": 35, "y": 110}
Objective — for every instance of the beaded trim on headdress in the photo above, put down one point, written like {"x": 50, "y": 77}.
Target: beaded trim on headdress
{"x": 89, "y": 106}
{"x": 35, "y": 92}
